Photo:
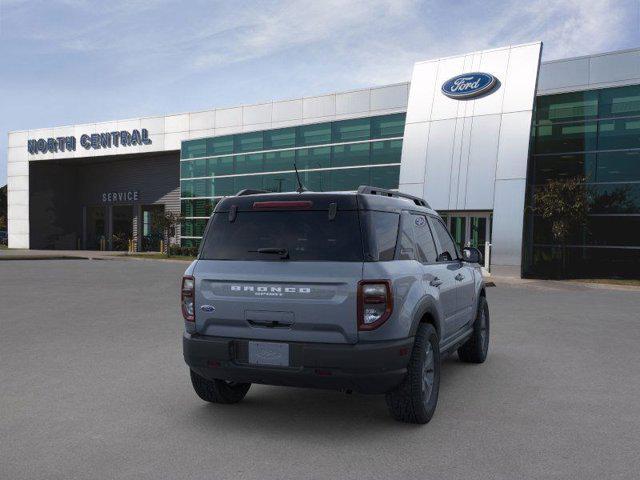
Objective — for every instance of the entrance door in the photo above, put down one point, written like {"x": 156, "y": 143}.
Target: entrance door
{"x": 470, "y": 229}
{"x": 96, "y": 227}
{"x": 151, "y": 233}
{"x": 122, "y": 227}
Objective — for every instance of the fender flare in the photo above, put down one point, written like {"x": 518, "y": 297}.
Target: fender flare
{"x": 427, "y": 306}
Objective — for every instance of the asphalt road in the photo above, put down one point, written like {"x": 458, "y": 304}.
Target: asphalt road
{"x": 93, "y": 385}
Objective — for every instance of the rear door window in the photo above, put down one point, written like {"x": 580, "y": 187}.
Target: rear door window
{"x": 306, "y": 235}
{"x": 424, "y": 240}
{"x": 447, "y": 251}
{"x": 406, "y": 250}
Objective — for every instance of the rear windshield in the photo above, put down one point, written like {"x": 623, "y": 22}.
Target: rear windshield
{"x": 306, "y": 235}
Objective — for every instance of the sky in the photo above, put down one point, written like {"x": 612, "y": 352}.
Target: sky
{"x": 65, "y": 62}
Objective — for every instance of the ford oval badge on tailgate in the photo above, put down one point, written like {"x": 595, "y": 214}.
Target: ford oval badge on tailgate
{"x": 207, "y": 308}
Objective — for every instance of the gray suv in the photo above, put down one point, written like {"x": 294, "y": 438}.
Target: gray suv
{"x": 362, "y": 291}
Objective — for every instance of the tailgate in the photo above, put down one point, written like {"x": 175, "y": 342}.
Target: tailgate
{"x": 278, "y": 300}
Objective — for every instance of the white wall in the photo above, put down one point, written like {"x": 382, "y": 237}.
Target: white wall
{"x": 472, "y": 154}
{"x": 167, "y": 133}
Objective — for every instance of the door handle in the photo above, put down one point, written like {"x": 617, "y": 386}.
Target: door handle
{"x": 459, "y": 277}
{"x": 436, "y": 282}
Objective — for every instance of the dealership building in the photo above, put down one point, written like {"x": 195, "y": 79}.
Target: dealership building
{"x": 477, "y": 135}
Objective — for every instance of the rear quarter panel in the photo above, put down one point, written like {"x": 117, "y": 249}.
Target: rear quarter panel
{"x": 408, "y": 291}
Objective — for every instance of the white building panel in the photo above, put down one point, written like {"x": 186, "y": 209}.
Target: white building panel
{"x": 229, "y": 117}
{"x": 415, "y": 147}
{"x": 481, "y": 169}
{"x": 314, "y": 107}
{"x": 465, "y": 141}
{"x": 350, "y": 103}
{"x": 154, "y": 125}
{"x": 257, "y": 114}
{"x": 614, "y": 67}
{"x": 393, "y": 96}
{"x": 202, "y": 120}
{"x": 422, "y": 91}
{"x": 438, "y": 163}
{"x": 287, "y": 111}
{"x": 176, "y": 123}
{"x": 508, "y": 213}
{"x": 18, "y": 139}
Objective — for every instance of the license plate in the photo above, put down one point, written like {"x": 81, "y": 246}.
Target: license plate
{"x": 266, "y": 353}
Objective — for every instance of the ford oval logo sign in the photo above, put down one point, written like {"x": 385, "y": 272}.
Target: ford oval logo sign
{"x": 469, "y": 85}
{"x": 207, "y": 308}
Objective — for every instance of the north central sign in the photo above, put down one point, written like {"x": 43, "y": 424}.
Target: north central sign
{"x": 93, "y": 141}
{"x": 469, "y": 85}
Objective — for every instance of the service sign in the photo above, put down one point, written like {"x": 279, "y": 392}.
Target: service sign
{"x": 469, "y": 85}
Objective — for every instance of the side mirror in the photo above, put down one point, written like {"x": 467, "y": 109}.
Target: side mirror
{"x": 471, "y": 255}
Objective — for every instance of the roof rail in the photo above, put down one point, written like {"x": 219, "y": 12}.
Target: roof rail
{"x": 250, "y": 191}
{"x": 367, "y": 190}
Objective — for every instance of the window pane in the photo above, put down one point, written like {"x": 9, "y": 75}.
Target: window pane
{"x": 186, "y": 169}
{"x": 566, "y": 107}
{"x": 616, "y": 198}
{"x": 220, "y": 145}
{"x": 347, "y": 179}
{"x": 388, "y": 151}
{"x": 194, "y": 148}
{"x": 197, "y": 208}
{"x": 407, "y": 248}
{"x": 388, "y": 126}
{"x": 620, "y": 102}
{"x": 186, "y": 188}
{"x": 448, "y": 249}
{"x": 280, "y": 182}
{"x": 222, "y": 187}
{"x": 253, "y": 182}
{"x": 193, "y": 228}
{"x": 575, "y": 137}
{"x": 563, "y": 166}
{"x": 249, "y": 163}
{"x": 619, "y": 134}
{"x": 352, "y": 130}
{"x": 348, "y": 155}
{"x": 200, "y": 187}
{"x": 276, "y": 161}
{"x": 319, "y": 157}
{"x": 280, "y": 138}
{"x": 381, "y": 234}
{"x": 220, "y": 166}
{"x": 618, "y": 167}
{"x": 424, "y": 240}
{"x": 385, "y": 177}
{"x": 313, "y": 134}
{"x": 248, "y": 142}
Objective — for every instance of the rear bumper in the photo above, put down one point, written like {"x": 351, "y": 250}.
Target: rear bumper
{"x": 375, "y": 367}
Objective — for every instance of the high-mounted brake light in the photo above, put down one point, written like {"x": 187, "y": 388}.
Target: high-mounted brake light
{"x": 187, "y": 294}
{"x": 288, "y": 205}
{"x": 375, "y": 303}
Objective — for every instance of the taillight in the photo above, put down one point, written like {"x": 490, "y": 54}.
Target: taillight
{"x": 375, "y": 303}
{"x": 187, "y": 298}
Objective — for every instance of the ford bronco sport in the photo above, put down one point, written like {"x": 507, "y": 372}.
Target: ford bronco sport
{"x": 362, "y": 291}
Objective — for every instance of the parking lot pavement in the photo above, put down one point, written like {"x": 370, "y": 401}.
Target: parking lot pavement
{"x": 93, "y": 385}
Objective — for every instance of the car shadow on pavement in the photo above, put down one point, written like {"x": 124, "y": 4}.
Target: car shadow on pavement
{"x": 313, "y": 412}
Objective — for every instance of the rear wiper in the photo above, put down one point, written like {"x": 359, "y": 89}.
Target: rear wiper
{"x": 283, "y": 252}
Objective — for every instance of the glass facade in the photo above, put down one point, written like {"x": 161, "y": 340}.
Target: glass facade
{"x": 593, "y": 135}
{"x": 330, "y": 156}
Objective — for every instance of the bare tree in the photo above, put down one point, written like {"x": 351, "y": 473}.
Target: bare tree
{"x": 166, "y": 222}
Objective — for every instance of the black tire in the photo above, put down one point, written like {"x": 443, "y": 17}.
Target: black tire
{"x": 218, "y": 391}
{"x": 413, "y": 401}
{"x": 475, "y": 350}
